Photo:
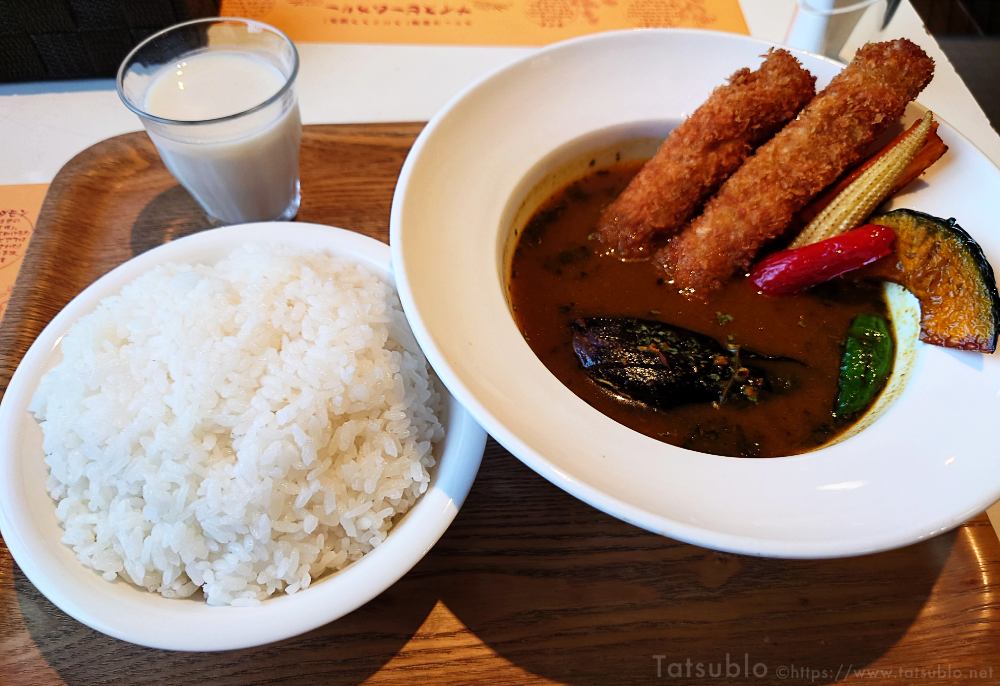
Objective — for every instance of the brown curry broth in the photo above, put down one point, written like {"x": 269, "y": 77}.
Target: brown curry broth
{"x": 557, "y": 276}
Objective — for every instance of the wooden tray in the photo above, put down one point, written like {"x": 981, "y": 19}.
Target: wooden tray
{"x": 529, "y": 584}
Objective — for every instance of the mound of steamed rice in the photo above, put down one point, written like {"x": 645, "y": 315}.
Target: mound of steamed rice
{"x": 241, "y": 428}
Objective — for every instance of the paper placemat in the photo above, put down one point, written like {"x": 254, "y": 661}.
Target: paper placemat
{"x": 479, "y": 22}
{"x": 19, "y": 207}
{"x": 993, "y": 512}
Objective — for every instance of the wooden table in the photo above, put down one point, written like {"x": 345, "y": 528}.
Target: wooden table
{"x": 528, "y": 585}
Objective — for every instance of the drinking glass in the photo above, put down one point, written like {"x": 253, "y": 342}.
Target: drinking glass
{"x": 217, "y": 98}
{"x": 835, "y": 28}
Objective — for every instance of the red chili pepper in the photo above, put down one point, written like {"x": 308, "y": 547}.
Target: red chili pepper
{"x": 790, "y": 271}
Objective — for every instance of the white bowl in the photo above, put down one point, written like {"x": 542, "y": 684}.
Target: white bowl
{"x": 32, "y": 533}
{"x": 926, "y": 464}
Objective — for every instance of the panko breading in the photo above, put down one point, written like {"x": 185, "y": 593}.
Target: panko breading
{"x": 758, "y": 202}
{"x": 703, "y": 151}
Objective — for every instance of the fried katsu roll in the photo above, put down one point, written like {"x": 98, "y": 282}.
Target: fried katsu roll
{"x": 758, "y": 202}
{"x": 705, "y": 149}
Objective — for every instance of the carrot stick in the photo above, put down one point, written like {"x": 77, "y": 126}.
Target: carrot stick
{"x": 928, "y": 155}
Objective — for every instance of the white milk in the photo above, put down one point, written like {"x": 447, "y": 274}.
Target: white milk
{"x": 244, "y": 169}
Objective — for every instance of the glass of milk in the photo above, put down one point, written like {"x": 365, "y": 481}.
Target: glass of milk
{"x": 217, "y": 98}
{"x": 836, "y": 28}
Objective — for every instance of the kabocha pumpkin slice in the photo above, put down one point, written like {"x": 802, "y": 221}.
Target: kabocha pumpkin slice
{"x": 946, "y": 270}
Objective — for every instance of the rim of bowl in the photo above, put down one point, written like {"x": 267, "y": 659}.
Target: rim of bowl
{"x": 613, "y": 506}
{"x": 421, "y": 527}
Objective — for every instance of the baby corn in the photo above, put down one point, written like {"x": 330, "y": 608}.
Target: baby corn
{"x": 856, "y": 202}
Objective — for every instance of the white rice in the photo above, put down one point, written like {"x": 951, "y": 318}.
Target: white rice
{"x": 240, "y": 428}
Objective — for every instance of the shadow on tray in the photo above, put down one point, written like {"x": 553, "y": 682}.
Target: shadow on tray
{"x": 170, "y": 215}
{"x": 565, "y": 592}
{"x": 342, "y": 652}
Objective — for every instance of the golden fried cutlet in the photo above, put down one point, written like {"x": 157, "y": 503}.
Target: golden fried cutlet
{"x": 705, "y": 149}
{"x": 757, "y": 203}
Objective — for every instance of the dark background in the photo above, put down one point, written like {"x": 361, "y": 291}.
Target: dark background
{"x": 968, "y": 32}
{"x": 65, "y": 39}
{"x": 68, "y": 39}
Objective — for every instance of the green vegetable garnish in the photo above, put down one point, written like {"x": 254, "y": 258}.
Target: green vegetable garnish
{"x": 865, "y": 366}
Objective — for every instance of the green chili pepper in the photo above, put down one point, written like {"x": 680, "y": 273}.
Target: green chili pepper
{"x": 865, "y": 366}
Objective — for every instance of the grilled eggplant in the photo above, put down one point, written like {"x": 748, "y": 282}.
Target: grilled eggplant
{"x": 660, "y": 365}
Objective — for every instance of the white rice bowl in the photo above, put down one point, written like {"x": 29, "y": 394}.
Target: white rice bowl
{"x": 241, "y": 428}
